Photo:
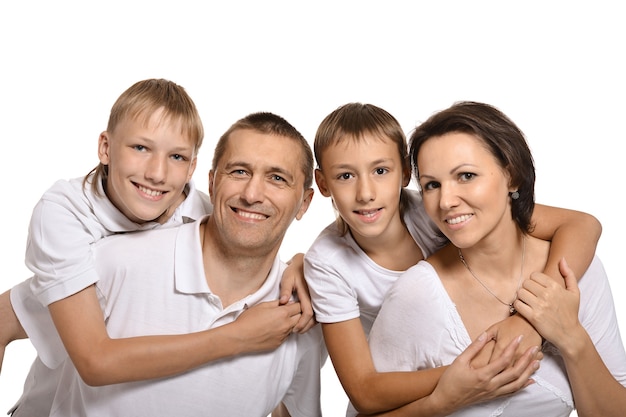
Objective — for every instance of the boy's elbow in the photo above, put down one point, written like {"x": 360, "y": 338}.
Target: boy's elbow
{"x": 93, "y": 372}
{"x": 365, "y": 401}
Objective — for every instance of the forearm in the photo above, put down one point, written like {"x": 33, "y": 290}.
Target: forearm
{"x": 139, "y": 358}
{"x": 573, "y": 234}
{"x": 596, "y": 391}
{"x": 370, "y": 391}
{"x": 10, "y": 327}
{"x": 389, "y": 390}
{"x": 428, "y": 406}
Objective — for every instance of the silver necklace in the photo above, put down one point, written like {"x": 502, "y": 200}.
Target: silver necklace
{"x": 519, "y": 283}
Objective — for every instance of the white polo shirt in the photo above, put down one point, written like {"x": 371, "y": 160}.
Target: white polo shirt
{"x": 154, "y": 283}
{"x": 69, "y": 219}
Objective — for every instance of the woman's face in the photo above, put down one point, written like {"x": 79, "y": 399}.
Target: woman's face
{"x": 465, "y": 190}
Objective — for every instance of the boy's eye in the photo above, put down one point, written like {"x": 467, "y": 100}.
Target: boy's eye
{"x": 139, "y": 147}
{"x": 381, "y": 171}
{"x": 344, "y": 176}
{"x": 179, "y": 157}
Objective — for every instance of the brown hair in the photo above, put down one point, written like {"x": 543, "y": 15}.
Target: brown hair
{"x": 269, "y": 123}
{"x": 353, "y": 121}
{"x": 500, "y": 136}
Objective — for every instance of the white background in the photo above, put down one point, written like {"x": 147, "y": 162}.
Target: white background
{"x": 556, "y": 68}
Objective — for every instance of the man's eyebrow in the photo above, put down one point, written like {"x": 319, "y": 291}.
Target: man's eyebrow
{"x": 272, "y": 169}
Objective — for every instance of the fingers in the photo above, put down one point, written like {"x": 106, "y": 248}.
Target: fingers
{"x": 518, "y": 376}
{"x": 474, "y": 350}
{"x": 287, "y": 287}
{"x": 307, "y": 320}
{"x": 571, "y": 282}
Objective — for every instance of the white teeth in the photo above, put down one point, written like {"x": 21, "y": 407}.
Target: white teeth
{"x": 151, "y": 193}
{"x": 368, "y": 213}
{"x": 459, "y": 219}
{"x": 249, "y": 215}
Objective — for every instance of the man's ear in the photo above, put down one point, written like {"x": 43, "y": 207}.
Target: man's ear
{"x": 104, "y": 148}
{"x": 211, "y": 177}
{"x": 320, "y": 180}
{"x": 306, "y": 202}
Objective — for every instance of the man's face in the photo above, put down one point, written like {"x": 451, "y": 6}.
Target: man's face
{"x": 257, "y": 189}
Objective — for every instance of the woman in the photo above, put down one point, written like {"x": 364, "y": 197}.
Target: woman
{"x": 476, "y": 174}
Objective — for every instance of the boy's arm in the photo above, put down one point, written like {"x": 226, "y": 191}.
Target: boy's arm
{"x": 574, "y": 236}
{"x": 10, "y": 327}
{"x": 463, "y": 384}
{"x": 368, "y": 390}
{"x": 101, "y": 360}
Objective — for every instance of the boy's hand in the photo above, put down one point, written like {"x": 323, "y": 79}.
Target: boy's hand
{"x": 266, "y": 326}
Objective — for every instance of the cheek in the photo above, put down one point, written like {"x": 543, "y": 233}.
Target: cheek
{"x": 431, "y": 204}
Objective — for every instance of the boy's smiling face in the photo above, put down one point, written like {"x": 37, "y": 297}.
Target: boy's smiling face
{"x": 149, "y": 165}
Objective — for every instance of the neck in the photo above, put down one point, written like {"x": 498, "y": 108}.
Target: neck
{"x": 393, "y": 249}
{"x": 233, "y": 273}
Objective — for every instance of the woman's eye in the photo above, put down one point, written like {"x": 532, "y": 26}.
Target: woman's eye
{"x": 466, "y": 176}
{"x": 430, "y": 185}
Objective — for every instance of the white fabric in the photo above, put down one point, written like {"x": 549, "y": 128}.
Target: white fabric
{"x": 157, "y": 286}
{"x": 419, "y": 327}
{"x": 65, "y": 224}
{"x": 345, "y": 283}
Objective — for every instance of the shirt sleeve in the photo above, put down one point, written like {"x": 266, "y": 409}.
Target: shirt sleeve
{"x": 59, "y": 251}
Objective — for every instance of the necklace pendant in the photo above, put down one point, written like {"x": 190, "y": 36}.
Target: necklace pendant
{"x": 512, "y": 310}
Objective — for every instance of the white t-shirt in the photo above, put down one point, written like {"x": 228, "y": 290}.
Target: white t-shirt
{"x": 157, "y": 286}
{"x": 345, "y": 283}
{"x": 419, "y": 328}
{"x": 65, "y": 224}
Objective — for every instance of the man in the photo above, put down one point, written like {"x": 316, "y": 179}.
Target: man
{"x": 205, "y": 274}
